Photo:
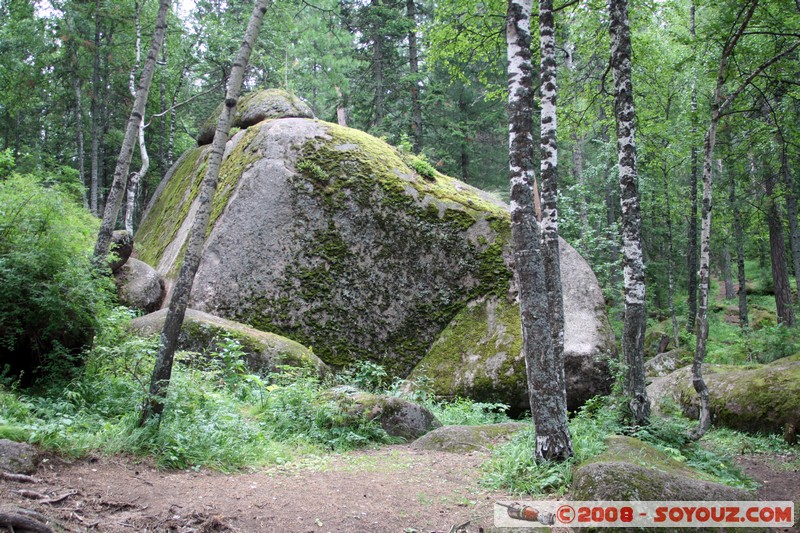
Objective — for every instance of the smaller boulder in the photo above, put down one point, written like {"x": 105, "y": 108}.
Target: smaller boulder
{"x": 634, "y": 470}
{"x": 255, "y": 107}
{"x": 203, "y": 333}
{"x": 122, "y": 247}
{"x": 18, "y": 457}
{"x": 397, "y": 417}
{"x": 465, "y": 439}
{"x": 139, "y": 285}
{"x": 756, "y": 398}
{"x": 666, "y": 362}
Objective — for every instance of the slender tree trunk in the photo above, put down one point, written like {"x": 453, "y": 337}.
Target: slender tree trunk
{"x": 549, "y": 172}
{"x": 738, "y": 237}
{"x": 691, "y": 255}
{"x": 670, "y": 254}
{"x": 727, "y": 274}
{"x": 632, "y": 263}
{"x": 777, "y": 248}
{"x": 580, "y": 179}
{"x": 463, "y": 159}
{"x": 791, "y": 213}
{"x": 76, "y": 86}
{"x": 114, "y": 200}
{"x": 377, "y": 70}
{"x": 133, "y": 182}
{"x": 413, "y": 66}
{"x": 546, "y": 392}
{"x": 162, "y": 370}
{"x": 341, "y": 108}
{"x": 95, "y": 110}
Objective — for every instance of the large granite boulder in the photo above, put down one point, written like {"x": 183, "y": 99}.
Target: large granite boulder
{"x": 749, "y": 398}
{"x": 466, "y": 439}
{"x": 206, "y": 334}
{"x": 328, "y": 236}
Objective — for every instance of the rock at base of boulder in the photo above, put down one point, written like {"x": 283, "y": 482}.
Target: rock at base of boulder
{"x": 664, "y": 363}
{"x": 18, "y": 457}
{"x": 479, "y": 356}
{"x": 465, "y": 439}
{"x": 205, "y": 333}
{"x": 634, "y": 470}
{"x": 397, "y": 417}
{"x": 139, "y": 285}
{"x": 748, "y": 398}
{"x": 122, "y": 247}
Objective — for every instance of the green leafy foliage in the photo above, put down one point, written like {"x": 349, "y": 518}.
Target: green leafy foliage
{"x": 50, "y": 298}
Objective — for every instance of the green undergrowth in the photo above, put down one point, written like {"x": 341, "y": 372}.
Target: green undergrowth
{"x": 217, "y": 414}
{"x": 513, "y": 469}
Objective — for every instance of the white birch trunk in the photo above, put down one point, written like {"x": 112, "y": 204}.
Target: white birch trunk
{"x": 114, "y": 200}
{"x": 547, "y": 398}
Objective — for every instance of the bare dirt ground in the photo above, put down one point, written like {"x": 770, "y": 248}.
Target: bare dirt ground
{"x": 392, "y": 489}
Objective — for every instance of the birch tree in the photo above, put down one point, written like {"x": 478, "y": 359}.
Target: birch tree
{"x": 114, "y": 200}
{"x": 546, "y": 390}
{"x": 133, "y": 183}
{"x": 162, "y": 370}
{"x": 721, "y": 102}
{"x": 632, "y": 261}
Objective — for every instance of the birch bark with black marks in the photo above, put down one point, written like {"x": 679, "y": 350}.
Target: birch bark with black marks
{"x": 114, "y": 200}
{"x": 632, "y": 259}
{"x": 546, "y": 394}
{"x": 549, "y": 172}
{"x": 162, "y": 371}
{"x": 133, "y": 182}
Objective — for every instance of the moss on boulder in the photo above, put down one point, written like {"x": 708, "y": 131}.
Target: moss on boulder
{"x": 205, "y": 333}
{"x": 329, "y": 236}
{"x": 749, "y": 398}
{"x": 634, "y": 470}
{"x": 398, "y": 417}
{"x": 465, "y": 439}
{"x": 255, "y": 107}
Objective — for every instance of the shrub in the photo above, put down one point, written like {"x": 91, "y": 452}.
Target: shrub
{"x": 49, "y": 296}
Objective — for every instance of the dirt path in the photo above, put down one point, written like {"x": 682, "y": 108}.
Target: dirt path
{"x": 393, "y": 489}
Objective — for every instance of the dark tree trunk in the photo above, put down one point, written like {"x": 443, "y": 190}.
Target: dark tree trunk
{"x": 133, "y": 129}
{"x": 95, "y": 110}
{"x": 377, "y": 70}
{"x": 580, "y": 179}
{"x": 162, "y": 370}
{"x": 777, "y": 248}
{"x": 546, "y": 392}
{"x": 670, "y": 253}
{"x": 632, "y": 263}
{"x": 738, "y": 237}
{"x": 727, "y": 275}
{"x": 791, "y": 213}
{"x": 413, "y": 65}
